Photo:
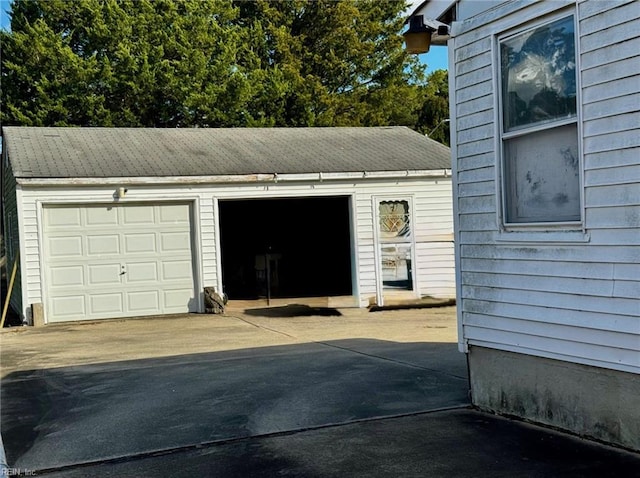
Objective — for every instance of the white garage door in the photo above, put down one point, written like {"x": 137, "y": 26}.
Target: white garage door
{"x": 117, "y": 261}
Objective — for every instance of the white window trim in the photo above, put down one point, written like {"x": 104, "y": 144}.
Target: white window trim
{"x": 546, "y": 237}
{"x": 507, "y": 231}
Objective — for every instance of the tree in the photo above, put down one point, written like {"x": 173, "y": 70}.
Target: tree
{"x": 182, "y": 63}
{"x": 433, "y": 116}
{"x": 122, "y": 63}
{"x": 331, "y": 62}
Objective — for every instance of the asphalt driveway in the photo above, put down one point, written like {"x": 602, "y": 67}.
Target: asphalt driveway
{"x": 264, "y": 393}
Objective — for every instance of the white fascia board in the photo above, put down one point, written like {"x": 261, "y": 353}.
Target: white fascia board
{"x": 432, "y": 9}
{"x": 408, "y": 174}
{"x": 152, "y": 180}
{"x": 226, "y": 179}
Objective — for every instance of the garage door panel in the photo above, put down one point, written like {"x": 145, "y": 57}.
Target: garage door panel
{"x": 65, "y": 276}
{"x": 104, "y": 274}
{"x": 118, "y": 261}
{"x": 141, "y": 272}
{"x": 103, "y": 244}
{"x": 176, "y": 270}
{"x": 139, "y": 243}
{"x": 66, "y": 246}
{"x": 101, "y": 216}
{"x": 63, "y": 218}
{"x": 137, "y": 215}
{"x": 174, "y": 214}
{"x": 175, "y": 241}
{"x": 69, "y": 306}
{"x": 147, "y": 301}
{"x": 179, "y": 299}
{"x": 106, "y": 304}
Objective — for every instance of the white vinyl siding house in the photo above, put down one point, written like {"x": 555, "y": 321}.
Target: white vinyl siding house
{"x": 547, "y": 208}
{"x": 111, "y": 226}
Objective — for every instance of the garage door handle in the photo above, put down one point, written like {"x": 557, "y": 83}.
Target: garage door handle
{"x": 123, "y": 273}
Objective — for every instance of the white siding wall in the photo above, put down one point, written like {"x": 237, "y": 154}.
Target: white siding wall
{"x": 433, "y": 213}
{"x": 573, "y": 298}
{"x": 434, "y": 239}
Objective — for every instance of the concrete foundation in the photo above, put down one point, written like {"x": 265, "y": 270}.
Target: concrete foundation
{"x": 590, "y": 401}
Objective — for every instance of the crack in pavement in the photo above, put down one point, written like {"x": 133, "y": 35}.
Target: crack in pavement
{"x": 227, "y": 441}
{"x": 262, "y": 327}
{"x": 347, "y": 349}
{"x": 386, "y": 359}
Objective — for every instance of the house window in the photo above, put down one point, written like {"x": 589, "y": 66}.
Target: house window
{"x": 396, "y": 245}
{"x": 539, "y": 125}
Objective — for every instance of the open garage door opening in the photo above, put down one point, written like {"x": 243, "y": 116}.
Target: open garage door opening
{"x": 286, "y": 248}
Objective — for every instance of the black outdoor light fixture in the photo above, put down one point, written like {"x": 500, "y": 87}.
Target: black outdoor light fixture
{"x": 418, "y": 37}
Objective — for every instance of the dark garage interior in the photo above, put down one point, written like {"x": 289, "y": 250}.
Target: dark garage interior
{"x": 284, "y": 248}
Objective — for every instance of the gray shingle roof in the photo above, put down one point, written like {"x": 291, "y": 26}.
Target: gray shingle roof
{"x": 148, "y": 152}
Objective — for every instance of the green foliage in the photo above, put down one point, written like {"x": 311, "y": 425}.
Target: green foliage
{"x": 210, "y": 63}
{"x": 435, "y": 107}
{"x": 123, "y": 63}
{"x": 330, "y": 62}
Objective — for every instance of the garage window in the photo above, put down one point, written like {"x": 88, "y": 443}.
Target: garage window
{"x": 394, "y": 221}
{"x": 539, "y": 124}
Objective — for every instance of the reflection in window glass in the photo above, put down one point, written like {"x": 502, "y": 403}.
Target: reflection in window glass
{"x": 394, "y": 220}
{"x": 538, "y": 73}
{"x": 396, "y": 267}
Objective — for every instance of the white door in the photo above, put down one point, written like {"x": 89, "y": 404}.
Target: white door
{"x": 108, "y": 261}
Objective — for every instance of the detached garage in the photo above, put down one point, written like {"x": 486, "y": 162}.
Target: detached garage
{"x": 124, "y": 222}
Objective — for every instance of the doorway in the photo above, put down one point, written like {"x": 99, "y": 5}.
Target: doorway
{"x": 286, "y": 247}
